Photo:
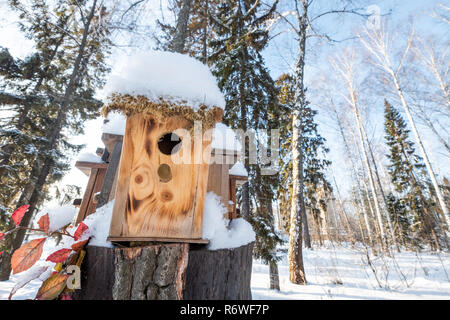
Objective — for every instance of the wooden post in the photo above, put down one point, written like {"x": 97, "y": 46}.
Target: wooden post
{"x": 96, "y": 172}
{"x": 110, "y": 175}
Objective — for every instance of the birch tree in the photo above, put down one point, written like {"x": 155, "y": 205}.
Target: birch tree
{"x": 303, "y": 26}
{"x": 379, "y": 43}
{"x": 345, "y": 68}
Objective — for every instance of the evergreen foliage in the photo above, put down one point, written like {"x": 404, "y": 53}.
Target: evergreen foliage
{"x": 314, "y": 162}
{"x": 251, "y": 102}
{"x": 412, "y": 205}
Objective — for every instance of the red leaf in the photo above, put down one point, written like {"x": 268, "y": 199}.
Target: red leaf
{"x": 44, "y": 222}
{"x": 19, "y": 213}
{"x": 77, "y": 246}
{"x": 59, "y": 256}
{"x": 80, "y": 230}
{"x": 24, "y": 257}
{"x": 66, "y": 296}
{"x": 2, "y": 235}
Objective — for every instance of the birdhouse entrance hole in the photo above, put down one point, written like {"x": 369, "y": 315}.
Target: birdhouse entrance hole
{"x": 169, "y": 143}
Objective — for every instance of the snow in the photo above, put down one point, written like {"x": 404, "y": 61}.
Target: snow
{"x": 225, "y": 138}
{"x": 408, "y": 275}
{"x": 115, "y": 124}
{"x": 238, "y": 170}
{"x": 89, "y": 157}
{"x": 172, "y": 76}
{"x": 425, "y": 276}
{"x": 99, "y": 223}
{"x": 58, "y": 216}
{"x": 219, "y": 231}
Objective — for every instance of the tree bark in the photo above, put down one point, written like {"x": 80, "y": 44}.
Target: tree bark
{"x": 274, "y": 276}
{"x": 296, "y": 268}
{"x": 179, "y": 38}
{"x": 165, "y": 272}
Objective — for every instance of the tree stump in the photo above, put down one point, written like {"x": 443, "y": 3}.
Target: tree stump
{"x": 165, "y": 272}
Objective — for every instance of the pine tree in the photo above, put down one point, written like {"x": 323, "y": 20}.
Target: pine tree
{"x": 251, "y": 104}
{"x": 199, "y": 29}
{"x": 314, "y": 166}
{"x": 412, "y": 204}
{"x": 71, "y": 42}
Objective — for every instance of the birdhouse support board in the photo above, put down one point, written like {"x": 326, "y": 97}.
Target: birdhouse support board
{"x": 156, "y": 198}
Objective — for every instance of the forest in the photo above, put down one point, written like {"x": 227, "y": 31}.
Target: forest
{"x": 350, "y": 97}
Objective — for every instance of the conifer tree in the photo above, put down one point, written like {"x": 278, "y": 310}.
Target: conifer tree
{"x": 251, "y": 104}
{"x": 314, "y": 166}
{"x": 411, "y": 207}
{"x": 71, "y": 43}
{"x": 199, "y": 30}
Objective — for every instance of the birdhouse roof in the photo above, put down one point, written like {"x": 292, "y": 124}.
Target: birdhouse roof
{"x": 164, "y": 84}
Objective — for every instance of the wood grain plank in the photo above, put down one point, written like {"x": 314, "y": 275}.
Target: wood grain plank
{"x": 118, "y": 222}
{"x": 110, "y": 175}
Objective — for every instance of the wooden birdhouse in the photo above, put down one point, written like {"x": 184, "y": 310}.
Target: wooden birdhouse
{"x": 159, "y": 196}
{"x": 164, "y": 165}
{"x": 226, "y": 173}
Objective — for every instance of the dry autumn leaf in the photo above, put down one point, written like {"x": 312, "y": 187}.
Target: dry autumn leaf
{"x": 77, "y": 246}
{"x": 19, "y": 213}
{"x": 80, "y": 230}
{"x": 25, "y": 257}
{"x": 44, "y": 223}
{"x": 59, "y": 256}
{"x": 52, "y": 287}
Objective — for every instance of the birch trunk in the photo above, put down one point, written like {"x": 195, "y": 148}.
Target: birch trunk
{"x": 358, "y": 185}
{"x": 383, "y": 197}
{"x": 377, "y": 45}
{"x": 296, "y": 269}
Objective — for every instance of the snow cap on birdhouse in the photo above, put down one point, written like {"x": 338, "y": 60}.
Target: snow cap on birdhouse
{"x": 165, "y": 84}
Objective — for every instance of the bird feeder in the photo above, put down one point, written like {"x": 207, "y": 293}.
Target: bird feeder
{"x": 159, "y": 197}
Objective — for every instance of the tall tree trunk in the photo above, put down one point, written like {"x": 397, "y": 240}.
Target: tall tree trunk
{"x": 422, "y": 149}
{"x": 274, "y": 276}
{"x": 296, "y": 268}
{"x": 306, "y": 233}
{"x": 358, "y": 185}
{"x": 179, "y": 38}
{"x": 383, "y": 197}
{"x": 371, "y": 179}
{"x": 205, "y": 33}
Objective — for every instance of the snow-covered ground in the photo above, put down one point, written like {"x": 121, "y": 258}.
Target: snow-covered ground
{"x": 408, "y": 276}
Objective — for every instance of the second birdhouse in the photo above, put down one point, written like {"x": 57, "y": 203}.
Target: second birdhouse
{"x": 164, "y": 165}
